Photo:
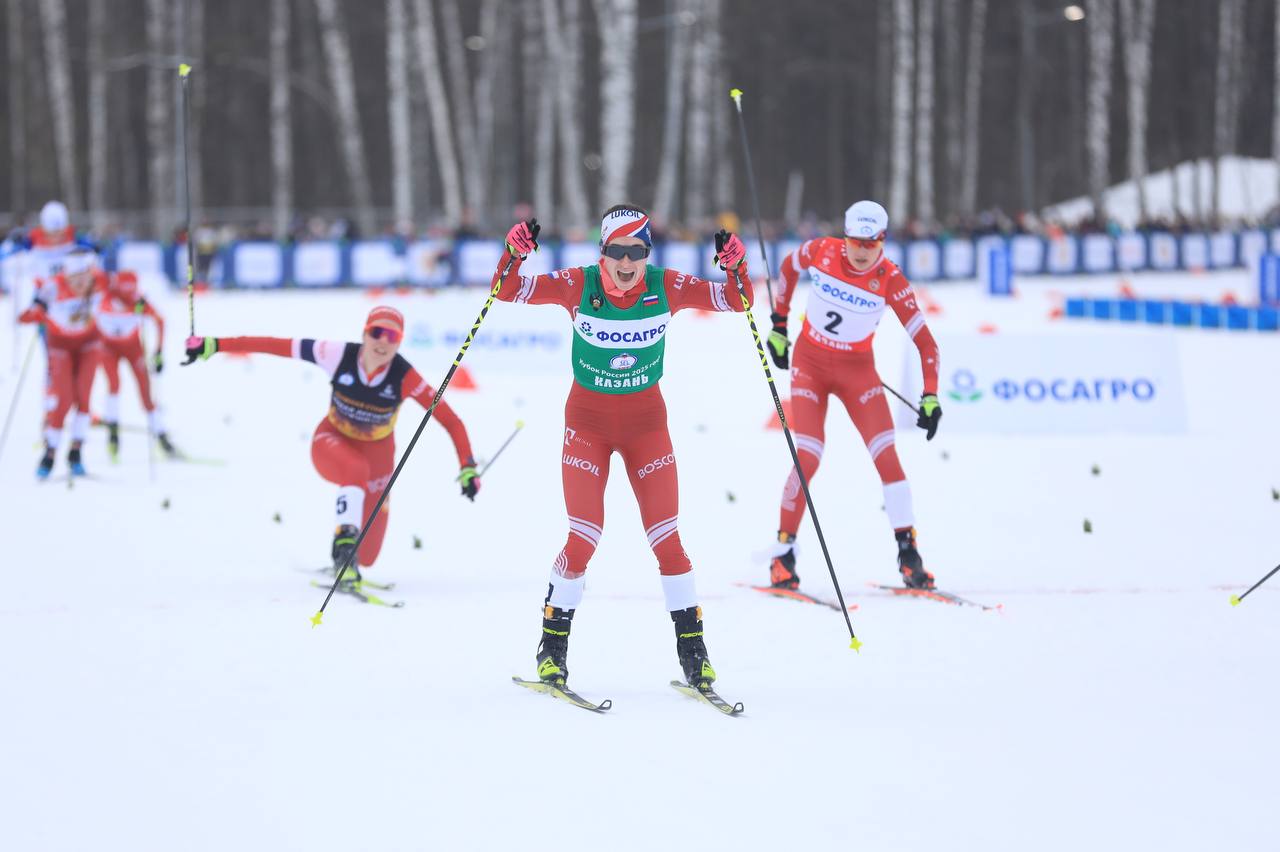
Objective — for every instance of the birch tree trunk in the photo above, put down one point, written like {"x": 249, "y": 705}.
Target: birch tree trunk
{"x": 159, "y": 121}
{"x": 280, "y": 120}
{"x": 98, "y": 135}
{"x": 924, "y": 115}
{"x": 664, "y": 194}
{"x": 281, "y": 126}
{"x": 398, "y": 116}
{"x": 721, "y": 117}
{"x": 57, "y": 61}
{"x": 697, "y": 175}
{"x": 463, "y": 112}
{"x": 192, "y": 46}
{"x": 620, "y": 22}
{"x": 424, "y": 32}
{"x": 900, "y": 138}
{"x": 973, "y": 107}
{"x": 952, "y": 92}
{"x": 1226, "y": 95}
{"x": 542, "y": 97}
{"x": 1099, "y": 24}
{"x": 18, "y": 108}
{"x": 563, "y": 35}
{"x": 1275, "y": 113}
{"x": 492, "y": 61}
{"x": 1137, "y": 17}
{"x": 337, "y": 54}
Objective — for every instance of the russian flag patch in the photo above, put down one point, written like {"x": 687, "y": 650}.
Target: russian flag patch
{"x": 650, "y": 299}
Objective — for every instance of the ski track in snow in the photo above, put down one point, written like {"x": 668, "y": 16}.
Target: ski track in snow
{"x": 162, "y": 688}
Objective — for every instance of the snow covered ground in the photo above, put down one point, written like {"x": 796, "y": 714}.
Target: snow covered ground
{"x": 161, "y": 687}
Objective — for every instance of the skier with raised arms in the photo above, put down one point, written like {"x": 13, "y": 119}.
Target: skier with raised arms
{"x": 354, "y": 445}
{"x": 852, "y": 283}
{"x": 620, "y": 308}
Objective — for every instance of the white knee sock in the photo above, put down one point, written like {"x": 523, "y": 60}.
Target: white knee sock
{"x": 155, "y": 422}
{"x": 897, "y": 505}
{"x": 565, "y": 593}
{"x": 679, "y": 591}
{"x": 350, "y": 505}
{"x": 111, "y": 410}
{"x": 80, "y": 426}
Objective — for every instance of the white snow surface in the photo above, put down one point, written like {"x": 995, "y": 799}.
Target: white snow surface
{"x": 163, "y": 688}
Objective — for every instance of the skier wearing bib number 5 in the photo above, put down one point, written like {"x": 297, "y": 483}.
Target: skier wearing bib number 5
{"x": 354, "y": 446}
{"x": 851, "y": 284}
{"x": 620, "y": 308}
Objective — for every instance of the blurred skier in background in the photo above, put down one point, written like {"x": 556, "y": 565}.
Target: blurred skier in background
{"x": 64, "y": 307}
{"x": 119, "y": 315}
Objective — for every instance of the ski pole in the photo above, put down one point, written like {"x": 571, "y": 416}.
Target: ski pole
{"x": 382, "y": 498}
{"x": 854, "y": 642}
{"x": 903, "y": 398}
{"x": 489, "y": 463}
{"x": 1235, "y": 601}
{"x": 736, "y": 94}
{"x": 13, "y": 403}
{"x": 184, "y": 72}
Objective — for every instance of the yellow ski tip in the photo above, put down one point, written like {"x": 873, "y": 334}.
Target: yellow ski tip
{"x": 1235, "y": 600}
{"x": 519, "y": 424}
{"x": 736, "y": 94}
{"x": 184, "y": 70}
{"x": 856, "y": 644}
{"x": 315, "y": 619}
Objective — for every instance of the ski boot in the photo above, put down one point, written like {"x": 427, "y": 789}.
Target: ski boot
{"x": 691, "y": 649}
{"x": 46, "y": 464}
{"x": 344, "y": 553}
{"x": 73, "y": 460}
{"x": 910, "y": 564}
{"x": 113, "y": 442}
{"x": 782, "y": 570}
{"x": 553, "y": 650}
{"x": 162, "y": 438}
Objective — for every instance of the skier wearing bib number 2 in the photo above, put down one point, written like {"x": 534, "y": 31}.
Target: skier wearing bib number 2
{"x": 852, "y": 283}
{"x": 620, "y": 308}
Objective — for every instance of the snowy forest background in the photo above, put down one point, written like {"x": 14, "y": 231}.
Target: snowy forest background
{"x": 457, "y": 115}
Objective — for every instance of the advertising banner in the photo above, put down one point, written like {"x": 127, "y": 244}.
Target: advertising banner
{"x": 1068, "y": 384}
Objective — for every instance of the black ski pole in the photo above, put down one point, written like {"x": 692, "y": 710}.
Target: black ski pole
{"x": 184, "y": 72}
{"x": 854, "y": 642}
{"x": 382, "y": 498}
{"x": 13, "y": 403}
{"x": 510, "y": 438}
{"x": 903, "y": 398}
{"x": 1235, "y": 601}
{"x": 736, "y": 94}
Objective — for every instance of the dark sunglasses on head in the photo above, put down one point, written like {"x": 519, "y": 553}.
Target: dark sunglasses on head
{"x": 618, "y": 252}
{"x": 390, "y": 335}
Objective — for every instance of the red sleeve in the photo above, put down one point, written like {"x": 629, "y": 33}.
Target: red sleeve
{"x": 282, "y": 346}
{"x": 35, "y": 313}
{"x": 801, "y": 258}
{"x": 903, "y": 301}
{"x": 415, "y": 386}
{"x": 149, "y": 311}
{"x": 562, "y": 287}
{"x": 690, "y": 291}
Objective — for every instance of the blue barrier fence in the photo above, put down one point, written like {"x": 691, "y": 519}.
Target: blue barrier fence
{"x": 1176, "y": 313}
{"x": 441, "y": 263}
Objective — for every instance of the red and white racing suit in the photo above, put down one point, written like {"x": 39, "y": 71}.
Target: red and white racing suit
{"x": 832, "y": 356}
{"x": 354, "y": 446}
